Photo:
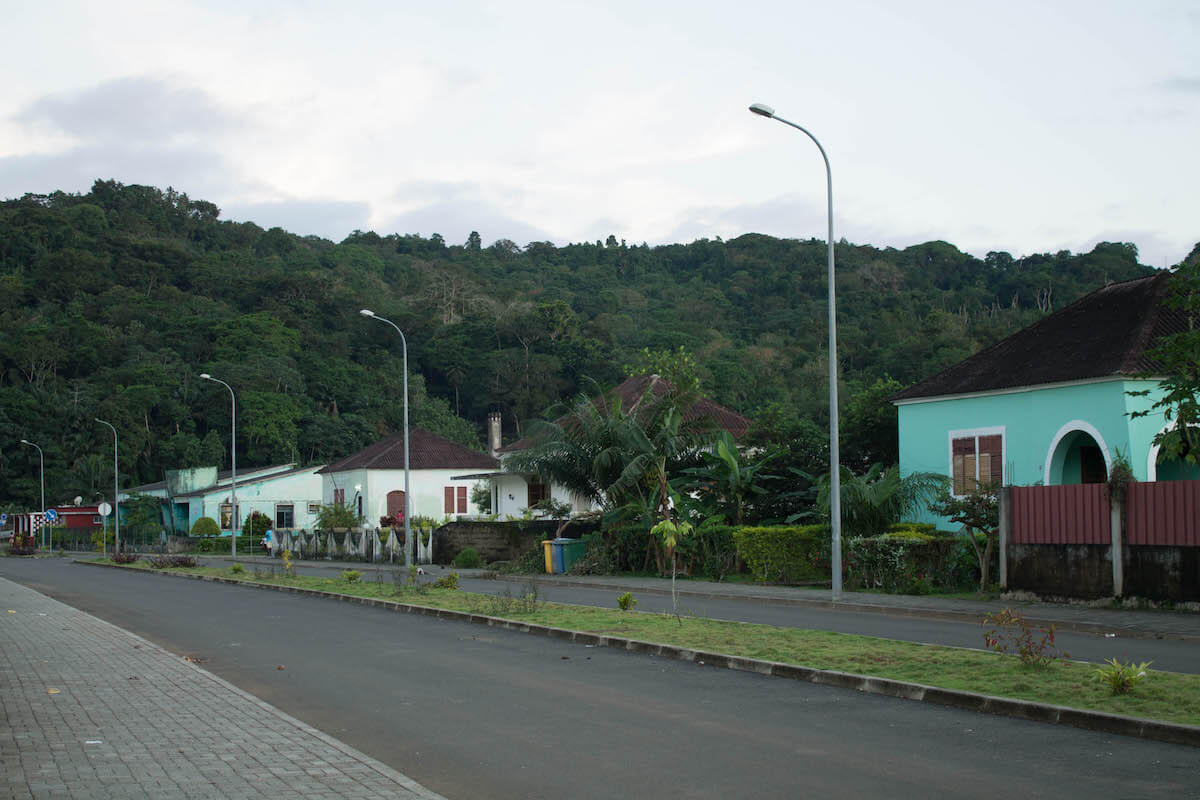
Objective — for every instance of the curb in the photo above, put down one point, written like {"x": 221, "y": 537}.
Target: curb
{"x": 948, "y": 615}
{"x": 1156, "y": 730}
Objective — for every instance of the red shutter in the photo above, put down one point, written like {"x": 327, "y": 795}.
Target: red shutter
{"x": 462, "y": 499}
{"x": 448, "y": 507}
{"x": 990, "y": 447}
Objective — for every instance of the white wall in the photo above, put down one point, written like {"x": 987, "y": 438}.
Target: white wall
{"x": 426, "y": 486}
{"x": 299, "y": 490}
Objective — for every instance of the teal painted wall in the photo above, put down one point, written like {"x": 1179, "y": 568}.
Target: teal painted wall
{"x": 1031, "y": 419}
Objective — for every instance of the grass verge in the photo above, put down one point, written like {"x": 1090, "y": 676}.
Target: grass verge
{"x": 1166, "y": 696}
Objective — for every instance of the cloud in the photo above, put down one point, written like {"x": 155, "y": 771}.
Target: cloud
{"x": 331, "y": 219}
{"x": 455, "y": 209}
{"x": 127, "y": 111}
{"x": 1182, "y": 84}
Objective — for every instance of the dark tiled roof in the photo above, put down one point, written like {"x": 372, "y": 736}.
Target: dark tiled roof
{"x": 632, "y": 391}
{"x": 1103, "y": 334}
{"x": 425, "y": 451}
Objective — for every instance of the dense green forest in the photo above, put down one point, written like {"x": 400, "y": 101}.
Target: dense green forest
{"x": 113, "y": 302}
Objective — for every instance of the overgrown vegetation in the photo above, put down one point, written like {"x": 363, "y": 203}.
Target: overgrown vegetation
{"x": 1007, "y": 631}
{"x": 468, "y": 558}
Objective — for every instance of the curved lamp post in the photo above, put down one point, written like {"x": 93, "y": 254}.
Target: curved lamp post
{"x": 233, "y": 512}
{"x": 407, "y": 502}
{"x": 116, "y": 494}
{"x": 835, "y": 482}
{"x": 42, "y": 470}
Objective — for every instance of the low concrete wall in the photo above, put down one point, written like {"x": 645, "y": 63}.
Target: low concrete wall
{"x": 1061, "y": 570}
{"x": 1085, "y": 571}
{"x": 498, "y": 541}
{"x": 1162, "y": 573}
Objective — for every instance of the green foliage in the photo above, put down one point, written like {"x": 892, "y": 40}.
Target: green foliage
{"x": 351, "y": 575}
{"x": 677, "y": 366}
{"x": 336, "y": 515}
{"x": 785, "y": 554}
{"x": 907, "y": 561}
{"x": 109, "y": 295}
{"x": 468, "y": 558}
{"x": 481, "y": 497}
{"x": 626, "y": 602}
{"x": 1120, "y": 475}
{"x": 448, "y": 581}
{"x": 881, "y": 497}
{"x": 979, "y": 513}
{"x": 237, "y": 568}
{"x": 205, "y": 526}
{"x": 726, "y": 485}
{"x": 870, "y": 427}
{"x": 1121, "y": 678}
{"x": 256, "y": 525}
{"x": 1178, "y": 355}
{"x": 104, "y": 540}
{"x": 1007, "y": 631}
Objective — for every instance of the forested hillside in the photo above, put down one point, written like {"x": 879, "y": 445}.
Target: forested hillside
{"x": 114, "y": 302}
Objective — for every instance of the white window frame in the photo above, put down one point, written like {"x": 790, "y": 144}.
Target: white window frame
{"x": 292, "y": 506}
{"x": 976, "y": 433}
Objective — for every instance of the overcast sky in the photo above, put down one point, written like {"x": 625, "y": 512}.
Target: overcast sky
{"x": 1018, "y": 126}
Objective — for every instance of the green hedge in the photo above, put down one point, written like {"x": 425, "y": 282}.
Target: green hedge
{"x": 910, "y": 562}
{"x": 220, "y": 544}
{"x": 785, "y": 554}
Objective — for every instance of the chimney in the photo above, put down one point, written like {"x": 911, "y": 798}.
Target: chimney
{"x": 494, "y": 433}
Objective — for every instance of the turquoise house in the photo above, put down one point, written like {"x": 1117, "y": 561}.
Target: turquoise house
{"x": 1051, "y": 404}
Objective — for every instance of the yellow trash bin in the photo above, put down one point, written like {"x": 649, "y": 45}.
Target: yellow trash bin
{"x": 548, "y": 545}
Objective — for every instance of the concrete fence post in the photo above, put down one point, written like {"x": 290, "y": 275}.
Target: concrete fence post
{"x": 1005, "y": 531}
{"x": 1118, "y": 549}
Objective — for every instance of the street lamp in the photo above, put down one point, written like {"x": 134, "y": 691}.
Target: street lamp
{"x": 233, "y": 511}
{"x": 42, "y": 465}
{"x": 835, "y": 489}
{"x": 116, "y": 491}
{"x": 407, "y": 502}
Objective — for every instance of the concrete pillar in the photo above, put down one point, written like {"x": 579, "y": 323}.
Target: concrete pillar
{"x": 1005, "y": 532}
{"x": 1118, "y": 548}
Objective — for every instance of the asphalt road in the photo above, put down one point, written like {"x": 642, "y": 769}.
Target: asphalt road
{"x": 473, "y": 712}
{"x": 1172, "y": 655}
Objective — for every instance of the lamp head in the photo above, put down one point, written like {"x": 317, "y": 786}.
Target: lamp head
{"x": 26, "y": 441}
{"x": 206, "y": 376}
{"x": 366, "y": 312}
{"x": 358, "y": 488}
{"x": 762, "y": 110}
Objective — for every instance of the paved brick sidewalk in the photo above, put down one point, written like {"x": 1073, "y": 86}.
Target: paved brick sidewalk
{"x": 92, "y": 711}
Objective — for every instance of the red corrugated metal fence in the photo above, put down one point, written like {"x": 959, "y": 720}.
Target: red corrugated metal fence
{"x": 1163, "y": 513}
{"x": 1075, "y": 514}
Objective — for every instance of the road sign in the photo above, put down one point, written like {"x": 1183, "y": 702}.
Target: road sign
{"x": 51, "y": 515}
{"x": 3, "y": 518}
{"x": 105, "y": 509}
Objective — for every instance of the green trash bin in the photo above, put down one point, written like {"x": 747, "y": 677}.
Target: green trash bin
{"x": 572, "y": 551}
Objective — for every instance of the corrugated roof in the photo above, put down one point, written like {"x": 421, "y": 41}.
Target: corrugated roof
{"x": 425, "y": 451}
{"x": 1104, "y": 334}
{"x": 632, "y": 391}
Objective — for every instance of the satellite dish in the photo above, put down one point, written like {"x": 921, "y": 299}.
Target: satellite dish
{"x": 78, "y": 499}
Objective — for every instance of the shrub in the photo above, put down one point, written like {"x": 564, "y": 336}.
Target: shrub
{"x": 468, "y": 558}
{"x": 1006, "y": 631}
{"x": 335, "y": 515}
{"x": 237, "y": 569}
{"x": 205, "y": 526}
{"x": 785, "y": 554}
{"x": 596, "y": 560}
{"x": 125, "y": 558}
{"x": 351, "y": 575}
{"x": 256, "y": 525}
{"x": 626, "y": 601}
{"x": 168, "y": 562}
{"x": 447, "y": 581}
{"x": 98, "y": 537}
{"x": 1121, "y": 678}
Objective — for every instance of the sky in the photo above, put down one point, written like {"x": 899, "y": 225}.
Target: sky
{"x": 1019, "y": 126}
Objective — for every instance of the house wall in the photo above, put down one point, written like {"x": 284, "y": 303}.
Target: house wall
{"x": 426, "y": 486}
{"x": 298, "y": 489}
{"x": 1033, "y": 422}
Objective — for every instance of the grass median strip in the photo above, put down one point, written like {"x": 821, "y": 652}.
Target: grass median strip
{"x": 1166, "y": 696}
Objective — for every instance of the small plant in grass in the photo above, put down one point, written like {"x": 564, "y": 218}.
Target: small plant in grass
{"x": 237, "y": 568}
{"x": 447, "y": 581}
{"x": 672, "y": 534}
{"x": 626, "y": 601}
{"x": 289, "y": 569}
{"x": 125, "y": 558}
{"x": 468, "y": 558}
{"x": 260, "y": 574}
{"x": 1006, "y": 631}
{"x": 1121, "y": 678}
{"x": 351, "y": 575}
